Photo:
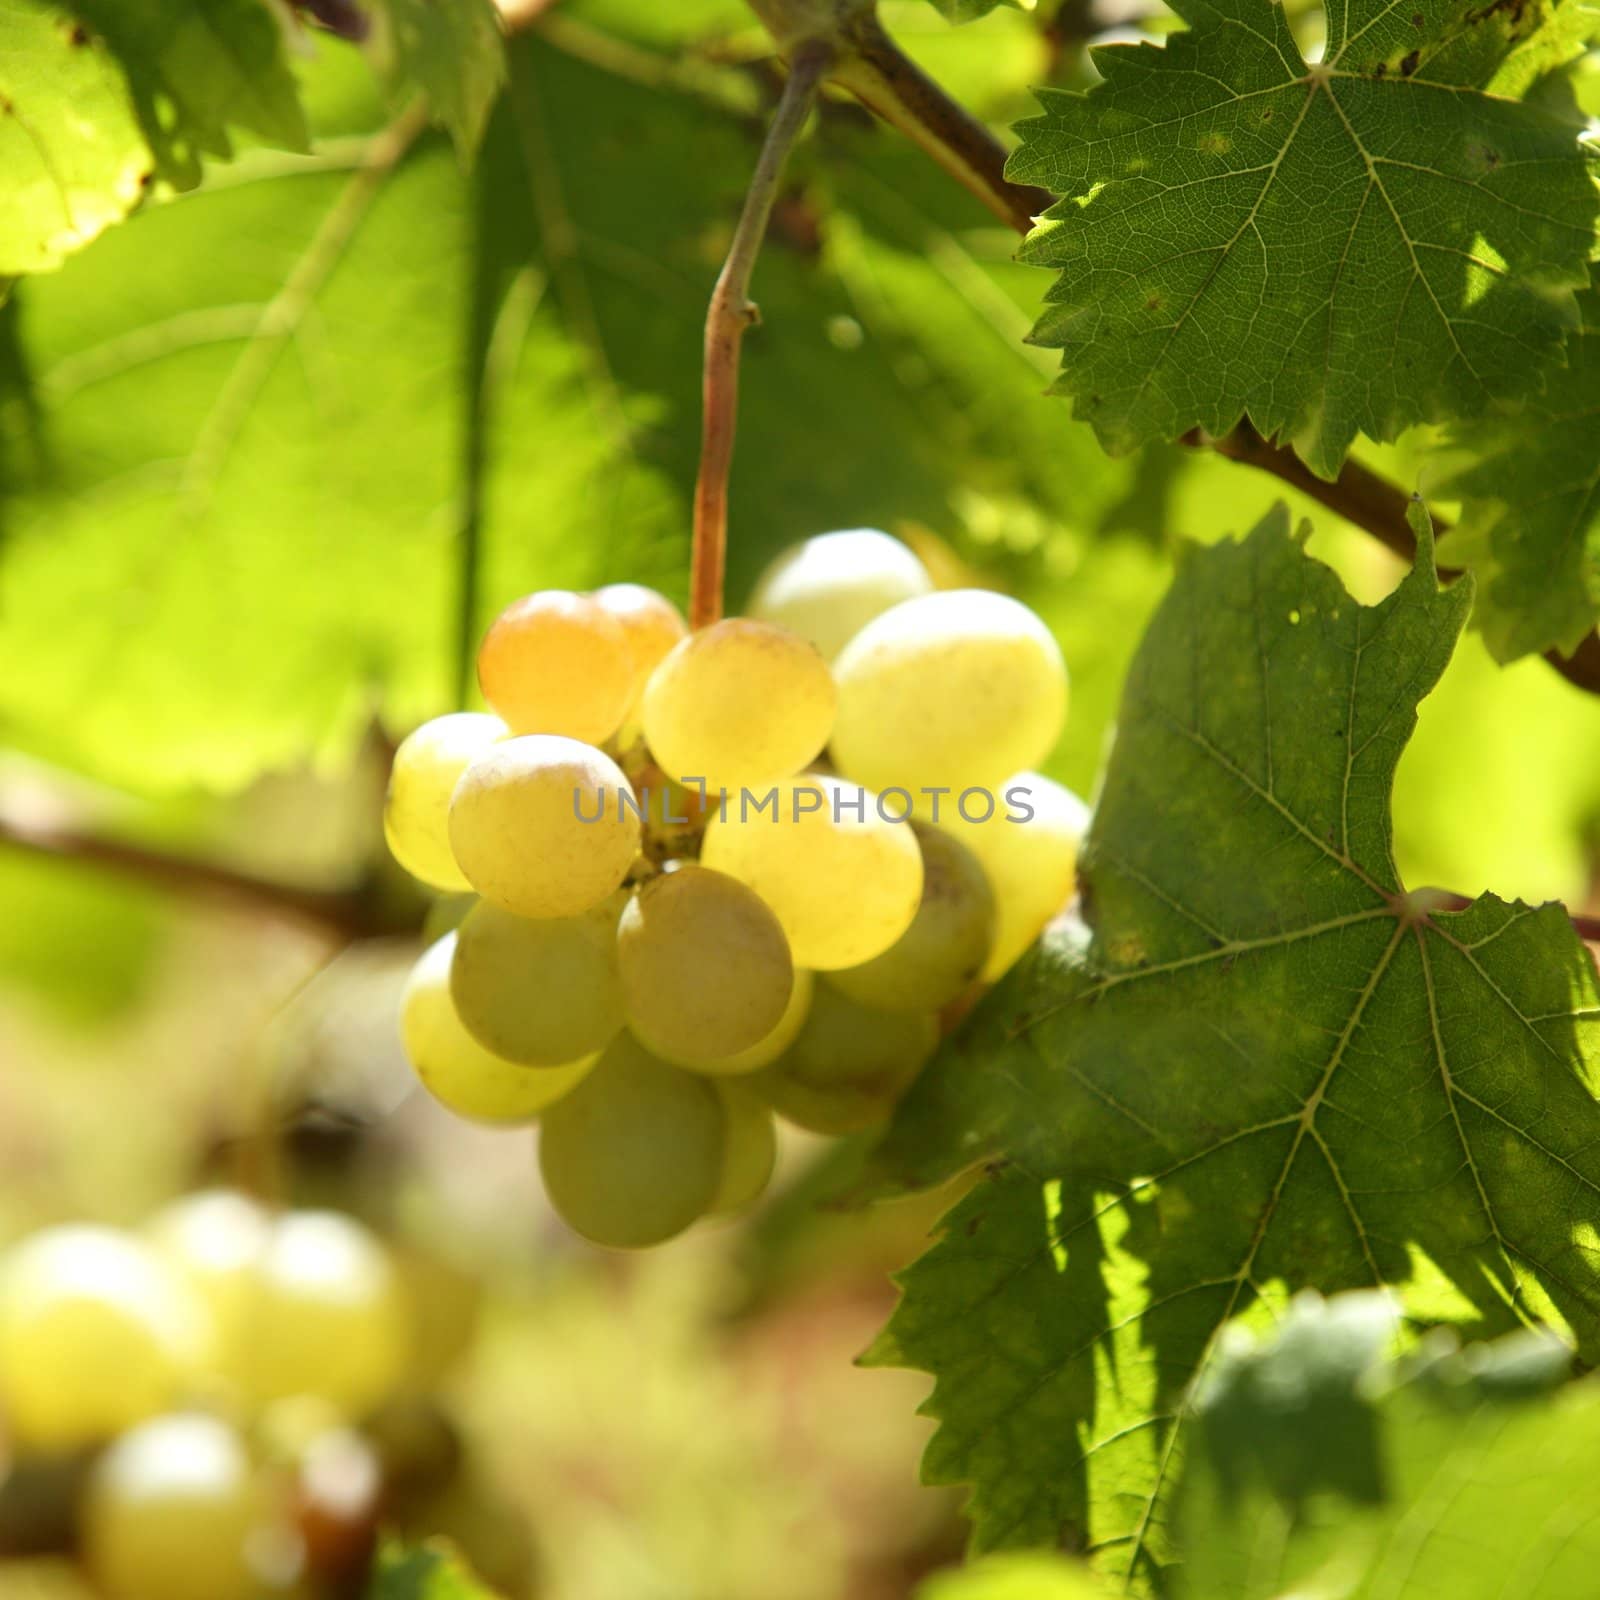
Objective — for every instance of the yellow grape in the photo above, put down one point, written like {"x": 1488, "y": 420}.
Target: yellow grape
{"x": 215, "y": 1238}
{"x": 849, "y": 1065}
{"x": 173, "y": 1511}
{"x": 635, "y": 1153}
{"x": 844, "y": 886}
{"x": 540, "y": 992}
{"x": 752, "y": 1149}
{"x": 944, "y": 949}
{"x": 705, "y": 967}
{"x": 829, "y": 587}
{"x": 97, "y": 1332}
{"x": 544, "y": 826}
{"x": 1031, "y": 865}
{"x": 451, "y": 1064}
{"x": 557, "y": 662}
{"x": 426, "y": 769}
{"x": 649, "y": 621}
{"x": 740, "y": 702}
{"x": 776, "y": 1042}
{"x": 327, "y": 1318}
{"x": 950, "y": 690}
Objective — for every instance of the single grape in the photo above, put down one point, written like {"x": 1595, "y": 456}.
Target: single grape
{"x": 543, "y": 826}
{"x": 173, "y": 1511}
{"x": 97, "y": 1332}
{"x": 829, "y": 587}
{"x": 1030, "y": 864}
{"x": 540, "y": 992}
{"x": 327, "y": 1319}
{"x": 944, "y": 949}
{"x": 950, "y": 690}
{"x": 752, "y": 1149}
{"x": 705, "y": 967}
{"x": 454, "y": 1067}
{"x": 557, "y": 662}
{"x": 651, "y": 624}
{"x": 776, "y": 1042}
{"x": 844, "y": 882}
{"x": 849, "y": 1065}
{"x": 426, "y": 769}
{"x": 635, "y": 1153}
{"x": 215, "y": 1239}
{"x": 740, "y": 702}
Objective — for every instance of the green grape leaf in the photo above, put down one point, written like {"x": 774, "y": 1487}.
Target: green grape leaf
{"x": 1256, "y": 1064}
{"x": 1320, "y": 1468}
{"x": 969, "y": 10}
{"x": 1530, "y": 523}
{"x": 1016, "y": 1577}
{"x": 1375, "y": 239}
{"x": 454, "y": 50}
{"x": 430, "y": 1572}
{"x": 196, "y": 71}
{"x": 72, "y": 161}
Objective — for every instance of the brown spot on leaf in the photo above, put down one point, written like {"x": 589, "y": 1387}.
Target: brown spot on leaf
{"x": 1381, "y": 70}
{"x": 79, "y": 34}
{"x": 1409, "y": 65}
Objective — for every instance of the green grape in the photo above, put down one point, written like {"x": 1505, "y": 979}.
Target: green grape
{"x": 426, "y": 769}
{"x": 705, "y": 967}
{"x": 651, "y": 624}
{"x": 97, "y": 1332}
{"x": 327, "y": 1318}
{"x": 828, "y": 588}
{"x": 738, "y": 703}
{"x": 458, "y": 1071}
{"x": 635, "y": 1153}
{"x": 556, "y": 662}
{"x": 944, "y": 949}
{"x": 752, "y": 1149}
{"x": 544, "y": 827}
{"x": 173, "y": 1512}
{"x": 849, "y": 1065}
{"x": 215, "y": 1239}
{"x": 844, "y": 882}
{"x": 540, "y": 992}
{"x": 950, "y": 690}
{"x": 1031, "y": 864}
{"x": 776, "y": 1042}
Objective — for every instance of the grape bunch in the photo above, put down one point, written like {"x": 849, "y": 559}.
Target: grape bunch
{"x": 199, "y": 1393}
{"x": 716, "y": 875}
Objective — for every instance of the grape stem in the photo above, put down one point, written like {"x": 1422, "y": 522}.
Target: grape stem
{"x": 731, "y": 313}
{"x": 868, "y": 63}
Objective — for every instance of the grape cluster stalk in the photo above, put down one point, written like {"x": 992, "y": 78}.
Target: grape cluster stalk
{"x": 698, "y": 880}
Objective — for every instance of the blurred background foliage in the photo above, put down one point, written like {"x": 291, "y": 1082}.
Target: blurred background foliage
{"x": 274, "y": 450}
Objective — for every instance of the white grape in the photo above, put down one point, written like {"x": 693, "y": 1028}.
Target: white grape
{"x": 844, "y": 882}
{"x": 173, "y": 1511}
{"x": 542, "y": 992}
{"x": 752, "y": 1149}
{"x": 650, "y": 623}
{"x": 1030, "y": 864}
{"x": 950, "y": 690}
{"x": 544, "y": 826}
{"x": 738, "y": 703}
{"x": 706, "y": 971}
{"x": 455, "y": 1068}
{"x": 636, "y": 1152}
{"x": 427, "y": 766}
{"x": 776, "y": 1042}
{"x": 829, "y": 587}
{"x": 944, "y": 950}
{"x": 849, "y": 1064}
{"x": 557, "y": 662}
{"x": 97, "y": 1332}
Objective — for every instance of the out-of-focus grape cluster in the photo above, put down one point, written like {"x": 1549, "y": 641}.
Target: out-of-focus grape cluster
{"x": 705, "y": 877}
{"x": 208, "y": 1408}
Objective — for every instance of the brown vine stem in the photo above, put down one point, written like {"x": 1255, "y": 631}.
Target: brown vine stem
{"x": 355, "y": 913}
{"x": 875, "y": 70}
{"x": 730, "y": 314}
